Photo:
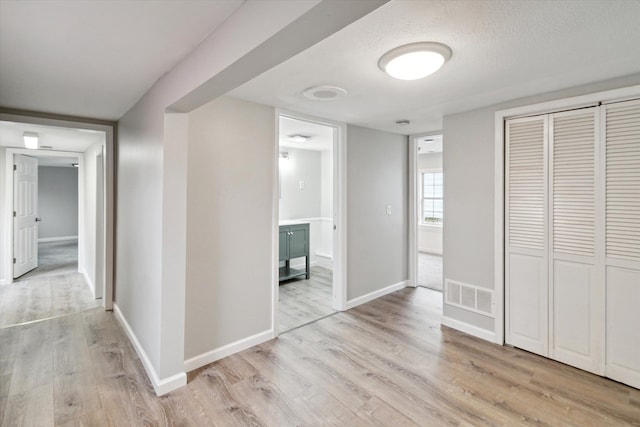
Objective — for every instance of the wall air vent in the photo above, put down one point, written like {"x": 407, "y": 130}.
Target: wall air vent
{"x": 469, "y": 297}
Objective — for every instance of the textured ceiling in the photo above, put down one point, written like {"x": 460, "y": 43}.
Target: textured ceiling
{"x": 502, "y": 50}
{"x": 96, "y": 58}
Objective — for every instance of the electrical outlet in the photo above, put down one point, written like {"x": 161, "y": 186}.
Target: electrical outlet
{"x": 388, "y": 209}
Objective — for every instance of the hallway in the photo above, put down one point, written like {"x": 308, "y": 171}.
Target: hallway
{"x": 53, "y": 289}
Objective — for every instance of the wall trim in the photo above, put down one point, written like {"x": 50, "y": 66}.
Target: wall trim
{"x": 376, "y": 294}
{"x": 468, "y": 328}
{"x": 227, "y": 350}
{"x": 161, "y": 386}
{"x": 57, "y": 239}
{"x": 429, "y": 251}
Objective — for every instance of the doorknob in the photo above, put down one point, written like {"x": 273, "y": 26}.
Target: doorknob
{"x": 38, "y": 219}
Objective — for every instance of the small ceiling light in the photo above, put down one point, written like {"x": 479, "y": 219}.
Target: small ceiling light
{"x": 402, "y": 122}
{"x": 299, "y": 138}
{"x": 30, "y": 140}
{"x": 324, "y": 93}
{"x": 414, "y": 61}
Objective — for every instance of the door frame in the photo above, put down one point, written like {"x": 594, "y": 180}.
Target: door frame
{"x": 414, "y": 207}
{"x": 582, "y": 101}
{"x": 109, "y": 130}
{"x": 339, "y": 209}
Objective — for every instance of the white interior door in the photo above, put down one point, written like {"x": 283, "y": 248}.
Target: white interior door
{"x": 526, "y": 234}
{"x": 25, "y": 209}
{"x": 575, "y": 279}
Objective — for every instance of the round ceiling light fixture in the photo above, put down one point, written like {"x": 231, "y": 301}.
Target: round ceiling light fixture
{"x": 414, "y": 61}
{"x": 324, "y": 93}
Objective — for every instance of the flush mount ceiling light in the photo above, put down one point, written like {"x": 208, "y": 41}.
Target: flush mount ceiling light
{"x": 402, "y": 122}
{"x": 298, "y": 138}
{"x": 414, "y": 61}
{"x": 30, "y": 140}
{"x": 324, "y": 93}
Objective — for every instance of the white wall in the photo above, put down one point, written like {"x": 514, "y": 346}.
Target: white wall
{"x": 469, "y": 193}
{"x": 4, "y": 229}
{"x": 150, "y": 266}
{"x": 377, "y": 175}
{"x": 430, "y": 236}
{"x": 57, "y": 202}
{"x": 326, "y": 186}
{"x": 302, "y": 166}
{"x": 229, "y": 224}
{"x": 88, "y": 256}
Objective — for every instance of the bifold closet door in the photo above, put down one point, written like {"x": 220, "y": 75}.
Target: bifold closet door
{"x": 576, "y": 285}
{"x": 526, "y": 234}
{"x": 622, "y": 133}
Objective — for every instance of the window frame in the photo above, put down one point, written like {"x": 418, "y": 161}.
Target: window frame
{"x": 421, "y": 173}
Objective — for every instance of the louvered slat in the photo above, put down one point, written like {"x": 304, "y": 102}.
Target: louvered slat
{"x": 525, "y": 170}
{"x": 623, "y": 181}
{"x": 573, "y": 177}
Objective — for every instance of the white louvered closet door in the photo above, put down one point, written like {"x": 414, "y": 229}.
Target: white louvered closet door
{"x": 576, "y": 288}
{"x": 526, "y": 234}
{"x": 622, "y": 133}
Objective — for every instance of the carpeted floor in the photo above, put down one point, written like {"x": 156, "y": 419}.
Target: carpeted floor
{"x": 430, "y": 271}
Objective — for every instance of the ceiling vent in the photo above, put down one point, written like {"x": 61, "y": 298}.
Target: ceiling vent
{"x": 324, "y": 93}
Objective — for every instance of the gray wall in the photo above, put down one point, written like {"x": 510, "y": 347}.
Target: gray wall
{"x": 469, "y": 170}
{"x": 229, "y": 223}
{"x": 151, "y": 168}
{"x": 303, "y": 165}
{"x": 377, "y": 175}
{"x": 57, "y": 202}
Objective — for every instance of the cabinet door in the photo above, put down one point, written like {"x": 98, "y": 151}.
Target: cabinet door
{"x": 284, "y": 243}
{"x": 299, "y": 241}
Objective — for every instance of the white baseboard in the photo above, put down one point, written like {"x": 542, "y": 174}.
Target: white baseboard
{"x": 324, "y": 261}
{"x": 430, "y": 251}
{"x": 302, "y": 266}
{"x": 57, "y": 239}
{"x": 226, "y": 350}
{"x": 161, "y": 386}
{"x": 376, "y": 294}
{"x": 469, "y": 329}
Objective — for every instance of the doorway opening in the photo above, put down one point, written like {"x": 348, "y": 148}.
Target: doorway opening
{"x": 57, "y": 211}
{"x": 55, "y": 250}
{"x": 309, "y": 284}
{"x": 430, "y": 211}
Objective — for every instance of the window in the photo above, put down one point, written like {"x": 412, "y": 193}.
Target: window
{"x": 432, "y": 204}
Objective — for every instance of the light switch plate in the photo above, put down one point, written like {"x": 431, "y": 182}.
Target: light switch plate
{"x": 301, "y": 185}
{"x": 388, "y": 209}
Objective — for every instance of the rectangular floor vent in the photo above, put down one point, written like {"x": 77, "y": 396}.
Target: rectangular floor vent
{"x": 469, "y": 297}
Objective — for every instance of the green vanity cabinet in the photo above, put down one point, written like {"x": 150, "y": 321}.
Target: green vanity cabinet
{"x": 294, "y": 243}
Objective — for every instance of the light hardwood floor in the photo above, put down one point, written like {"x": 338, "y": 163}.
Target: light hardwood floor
{"x": 386, "y": 363}
{"x": 304, "y": 301}
{"x": 55, "y": 288}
